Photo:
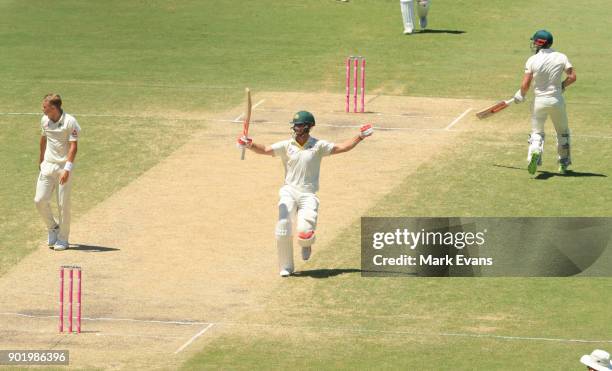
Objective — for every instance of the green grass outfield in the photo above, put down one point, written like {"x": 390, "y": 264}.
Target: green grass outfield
{"x": 143, "y": 57}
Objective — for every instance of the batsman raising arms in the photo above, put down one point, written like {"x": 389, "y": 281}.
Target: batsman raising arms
{"x": 301, "y": 157}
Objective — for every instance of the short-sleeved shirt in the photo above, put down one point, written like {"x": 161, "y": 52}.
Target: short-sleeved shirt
{"x": 59, "y": 135}
{"x": 303, "y": 163}
{"x": 547, "y": 67}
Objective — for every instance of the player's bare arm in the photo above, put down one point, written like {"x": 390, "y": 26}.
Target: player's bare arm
{"x": 570, "y": 79}
{"x": 346, "y": 146}
{"x": 260, "y": 149}
{"x": 72, "y": 151}
{"x": 520, "y": 94}
{"x": 364, "y": 132}
{"x": 526, "y": 83}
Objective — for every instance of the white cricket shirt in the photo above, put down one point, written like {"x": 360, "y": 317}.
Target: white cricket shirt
{"x": 59, "y": 134}
{"x": 547, "y": 67}
{"x": 303, "y": 164}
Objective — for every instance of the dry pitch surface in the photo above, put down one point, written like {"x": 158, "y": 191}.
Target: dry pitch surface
{"x": 189, "y": 245}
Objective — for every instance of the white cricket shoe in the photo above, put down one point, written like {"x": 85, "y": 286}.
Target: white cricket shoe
{"x": 60, "y": 245}
{"x": 285, "y": 273}
{"x": 306, "y": 251}
{"x": 52, "y": 236}
{"x": 408, "y": 31}
{"x": 423, "y": 22}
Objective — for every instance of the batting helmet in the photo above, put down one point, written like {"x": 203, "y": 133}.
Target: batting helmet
{"x": 303, "y": 117}
{"x": 542, "y": 39}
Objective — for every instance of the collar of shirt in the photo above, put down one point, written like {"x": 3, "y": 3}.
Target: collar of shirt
{"x": 309, "y": 143}
{"x": 60, "y": 121}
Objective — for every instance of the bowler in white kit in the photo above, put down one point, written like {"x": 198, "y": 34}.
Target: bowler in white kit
{"x": 301, "y": 157}
{"x": 407, "y": 7}
{"x": 58, "y": 148}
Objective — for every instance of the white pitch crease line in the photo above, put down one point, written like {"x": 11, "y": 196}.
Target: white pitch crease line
{"x": 367, "y": 114}
{"x": 104, "y": 334}
{"x": 354, "y": 330}
{"x": 145, "y": 321}
{"x": 190, "y": 323}
{"x": 237, "y": 119}
{"x": 347, "y": 126}
{"x": 457, "y": 119}
{"x": 272, "y": 122}
{"x": 193, "y": 338}
{"x": 98, "y": 115}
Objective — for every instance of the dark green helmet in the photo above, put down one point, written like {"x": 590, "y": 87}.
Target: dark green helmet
{"x": 542, "y": 39}
{"x": 303, "y": 117}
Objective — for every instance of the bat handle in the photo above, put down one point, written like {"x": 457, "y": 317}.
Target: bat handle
{"x": 242, "y": 154}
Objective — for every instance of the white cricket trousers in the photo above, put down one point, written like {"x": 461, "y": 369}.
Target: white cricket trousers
{"x": 555, "y": 108}
{"x": 305, "y": 203}
{"x": 293, "y": 202}
{"x": 407, "y": 7}
{"x": 48, "y": 182}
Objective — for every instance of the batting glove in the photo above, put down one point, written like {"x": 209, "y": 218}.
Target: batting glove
{"x": 365, "y": 131}
{"x": 518, "y": 97}
{"x": 244, "y": 142}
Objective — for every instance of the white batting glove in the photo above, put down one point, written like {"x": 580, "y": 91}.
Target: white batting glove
{"x": 518, "y": 97}
{"x": 366, "y": 130}
{"x": 244, "y": 142}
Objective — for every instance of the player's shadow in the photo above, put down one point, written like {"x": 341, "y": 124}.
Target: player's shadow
{"x": 327, "y": 273}
{"x": 544, "y": 175}
{"x": 92, "y": 248}
{"x": 452, "y": 32}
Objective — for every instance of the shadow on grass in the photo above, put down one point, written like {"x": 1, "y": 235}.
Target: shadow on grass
{"x": 544, "y": 175}
{"x": 327, "y": 273}
{"x": 92, "y": 248}
{"x": 452, "y": 32}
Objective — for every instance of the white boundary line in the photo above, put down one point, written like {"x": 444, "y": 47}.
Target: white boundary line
{"x": 455, "y": 121}
{"x": 193, "y": 338}
{"x": 414, "y": 333}
{"x": 237, "y": 119}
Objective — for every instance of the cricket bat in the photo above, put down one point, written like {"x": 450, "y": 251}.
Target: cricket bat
{"x": 483, "y": 114}
{"x": 247, "y": 119}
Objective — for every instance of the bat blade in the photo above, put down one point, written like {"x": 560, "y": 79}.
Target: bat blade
{"x": 493, "y": 109}
{"x": 247, "y": 118}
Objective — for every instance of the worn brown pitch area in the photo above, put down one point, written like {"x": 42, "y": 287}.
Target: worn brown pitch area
{"x": 192, "y": 240}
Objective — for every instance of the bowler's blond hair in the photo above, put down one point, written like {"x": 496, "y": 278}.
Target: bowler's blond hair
{"x": 53, "y": 99}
